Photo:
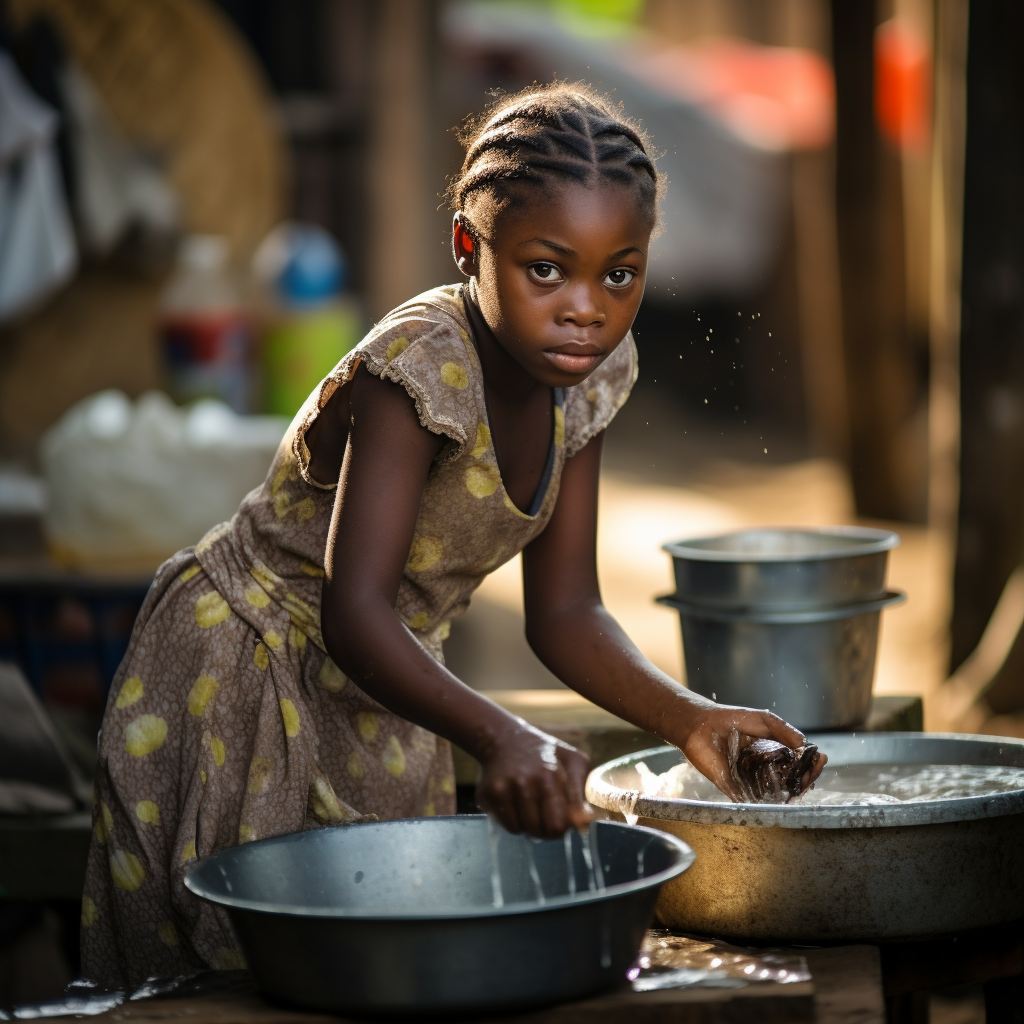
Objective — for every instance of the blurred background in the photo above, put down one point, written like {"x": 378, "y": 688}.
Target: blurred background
{"x": 204, "y": 204}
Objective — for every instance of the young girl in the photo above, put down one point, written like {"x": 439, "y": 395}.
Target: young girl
{"x": 287, "y": 672}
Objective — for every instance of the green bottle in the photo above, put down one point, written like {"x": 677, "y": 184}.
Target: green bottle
{"x": 313, "y": 323}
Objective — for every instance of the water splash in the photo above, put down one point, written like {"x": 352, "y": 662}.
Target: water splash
{"x": 588, "y": 860}
{"x": 625, "y": 801}
{"x": 531, "y": 864}
{"x": 592, "y": 858}
{"x": 570, "y": 867}
{"x": 493, "y": 835}
{"x": 629, "y": 808}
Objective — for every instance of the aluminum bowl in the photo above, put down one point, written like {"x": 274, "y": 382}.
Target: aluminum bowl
{"x": 773, "y": 873}
{"x": 783, "y": 569}
{"x": 814, "y": 668}
{"x": 398, "y": 917}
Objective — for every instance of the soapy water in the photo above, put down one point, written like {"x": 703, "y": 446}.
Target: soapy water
{"x": 629, "y": 807}
{"x": 853, "y": 784}
{"x": 588, "y": 849}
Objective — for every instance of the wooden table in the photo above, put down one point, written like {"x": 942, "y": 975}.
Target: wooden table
{"x": 990, "y": 957}
{"x": 845, "y": 988}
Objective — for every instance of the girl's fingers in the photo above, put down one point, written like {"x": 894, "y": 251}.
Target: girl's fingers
{"x": 497, "y": 800}
{"x": 580, "y": 816}
{"x": 810, "y": 776}
{"x": 553, "y": 809}
{"x": 719, "y": 775}
{"x": 508, "y": 815}
{"x": 528, "y": 804}
{"x": 768, "y": 726}
{"x": 703, "y": 753}
{"x": 575, "y": 769}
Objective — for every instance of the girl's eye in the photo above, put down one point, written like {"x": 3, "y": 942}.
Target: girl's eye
{"x": 547, "y": 273}
{"x": 619, "y": 278}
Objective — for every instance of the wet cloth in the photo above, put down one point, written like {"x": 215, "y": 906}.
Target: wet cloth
{"x": 227, "y": 721}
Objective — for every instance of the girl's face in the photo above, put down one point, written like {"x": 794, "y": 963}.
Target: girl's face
{"x": 561, "y": 277}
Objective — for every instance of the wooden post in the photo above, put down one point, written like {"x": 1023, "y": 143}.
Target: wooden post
{"x": 990, "y": 534}
{"x": 806, "y": 23}
{"x": 886, "y": 382}
{"x": 400, "y": 165}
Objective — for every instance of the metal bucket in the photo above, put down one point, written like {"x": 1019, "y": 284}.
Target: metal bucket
{"x": 783, "y": 569}
{"x": 814, "y": 668}
{"x": 774, "y": 873}
{"x": 398, "y": 917}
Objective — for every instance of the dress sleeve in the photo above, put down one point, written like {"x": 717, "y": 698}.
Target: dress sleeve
{"x": 592, "y": 405}
{"x": 426, "y": 349}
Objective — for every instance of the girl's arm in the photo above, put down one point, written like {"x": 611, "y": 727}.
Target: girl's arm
{"x": 571, "y": 632}
{"x": 531, "y": 781}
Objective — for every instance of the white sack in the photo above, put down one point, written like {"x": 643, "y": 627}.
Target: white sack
{"x": 135, "y": 481}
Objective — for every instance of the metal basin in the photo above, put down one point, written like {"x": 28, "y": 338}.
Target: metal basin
{"x": 840, "y": 874}
{"x": 783, "y": 569}
{"x": 815, "y": 668}
{"x": 398, "y": 917}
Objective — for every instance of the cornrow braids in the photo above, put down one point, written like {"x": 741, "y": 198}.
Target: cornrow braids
{"x": 559, "y": 131}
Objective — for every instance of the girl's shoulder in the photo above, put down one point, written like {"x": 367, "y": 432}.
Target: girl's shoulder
{"x": 427, "y": 332}
{"x": 424, "y": 346}
{"x": 592, "y": 405}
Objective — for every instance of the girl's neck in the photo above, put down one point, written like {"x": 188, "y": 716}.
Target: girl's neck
{"x": 504, "y": 378}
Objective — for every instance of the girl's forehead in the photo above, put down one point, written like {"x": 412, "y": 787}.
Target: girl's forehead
{"x": 576, "y": 215}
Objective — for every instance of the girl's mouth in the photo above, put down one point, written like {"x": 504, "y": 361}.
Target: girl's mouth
{"x": 574, "y": 359}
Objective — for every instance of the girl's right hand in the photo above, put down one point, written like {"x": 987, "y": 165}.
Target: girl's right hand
{"x": 534, "y": 783}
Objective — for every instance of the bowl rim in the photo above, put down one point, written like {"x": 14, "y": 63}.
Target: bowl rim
{"x": 874, "y": 541}
{"x": 198, "y": 887}
{"x": 783, "y": 616}
{"x": 603, "y": 794}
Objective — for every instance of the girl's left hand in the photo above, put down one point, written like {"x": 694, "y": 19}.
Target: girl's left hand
{"x": 706, "y": 746}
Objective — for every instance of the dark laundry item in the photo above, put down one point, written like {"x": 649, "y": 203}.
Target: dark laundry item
{"x": 767, "y": 772}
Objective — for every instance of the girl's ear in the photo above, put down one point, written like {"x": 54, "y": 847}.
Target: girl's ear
{"x": 464, "y": 249}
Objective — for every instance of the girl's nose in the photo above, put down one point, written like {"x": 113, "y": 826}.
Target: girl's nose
{"x": 583, "y": 309}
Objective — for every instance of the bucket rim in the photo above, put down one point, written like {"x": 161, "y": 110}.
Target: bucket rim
{"x": 769, "y": 616}
{"x": 872, "y": 540}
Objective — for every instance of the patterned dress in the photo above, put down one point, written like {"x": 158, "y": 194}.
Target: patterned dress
{"x": 227, "y": 721}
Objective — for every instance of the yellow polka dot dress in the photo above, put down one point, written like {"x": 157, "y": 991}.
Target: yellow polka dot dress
{"x": 227, "y": 721}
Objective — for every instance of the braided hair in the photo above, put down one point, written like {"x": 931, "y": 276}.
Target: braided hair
{"x": 549, "y": 133}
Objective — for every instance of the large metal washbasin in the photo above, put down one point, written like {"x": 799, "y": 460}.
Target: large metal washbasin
{"x": 398, "y": 917}
{"x": 796, "y": 873}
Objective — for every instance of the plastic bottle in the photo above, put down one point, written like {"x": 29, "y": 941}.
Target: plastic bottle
{"x": 205, "y": 331}
{"x": 311, "y": 323}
